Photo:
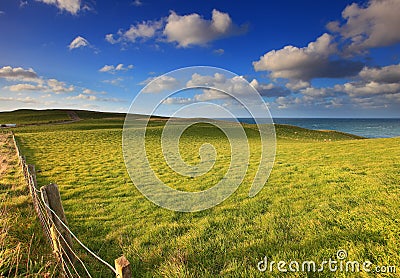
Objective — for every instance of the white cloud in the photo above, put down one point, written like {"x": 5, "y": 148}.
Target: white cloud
{"x": 91, "y": 92}
{"x": 113, "y": 69}
{"x": 192, "y": 29}
{"x": 137, "y": 3}
{"x": 287, "y": 102}
{"x": 313, "y": 92}
{"x": 185, "y": 30}
{"x": 143, "y": 30}
{"x": 178, "y": 100}
{"x": 107, "y": 68}
{"x": 207, "y": 80}
{"x": 374, "y": 25}
{"x": 35, "y": 83}
{"x": 29, "y": 100}
{"x": 71, "y": 6}
{"x": 230, "y": 86}
{"x": 59, "y": 87}
{"x": 209, "y": 94}
{"x": 295, "y": 85}
{"x": 47, "y": 86}
{"x": 388, "y": 74}
{"x": 159, "y": 84}
{"x": 115, "y": 81}
{"x": 94, "y": 98}
{"x": 78, "y": 42}
{"x": 110, "y": 39}
{"x": 18, "y": 74}
{"x": 25, "y": 87}
{"x": 225, "y": 86}
{"x": 293, "y": 58}
{"x": 219, "y": 51}
{"x": 269, "y": 89}
{"x": 2, "y": 12}
{"x": 308, "y": 62}
{"x": 383, "y": 81}
{"x": 355, "y": 89}
{"x": 23, "y": 3}
{"x": 82, "y": 96}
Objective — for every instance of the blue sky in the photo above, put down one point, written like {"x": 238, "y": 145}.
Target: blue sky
{"x": 306, "y": 58}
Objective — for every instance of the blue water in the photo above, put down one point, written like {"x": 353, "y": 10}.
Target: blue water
{"x": 370, "y": 128}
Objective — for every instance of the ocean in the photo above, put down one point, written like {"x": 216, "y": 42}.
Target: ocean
{"x": 370, "y": 128}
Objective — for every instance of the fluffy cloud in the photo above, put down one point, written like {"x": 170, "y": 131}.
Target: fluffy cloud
{"x": 374, "y": 25}
{"x": 94, "y": 98}
{"x": 269, "y": 90}
{"x": 311, "y": 97}
{"x": 32, "y": 82}
{"x": 143, "y": 30}
{"x": 295, "y": 85}
{"x": 355, "y": 89}
{"x": 78, "y": 42}
{"x": 192, "y": 29}
{"x": 137, "y": 3}
{"x": 91, "y": 92}
{"x": 18, "y": 74}
{"x": 59, "y": 87}
{"x": 184, "y": 30}
{"x": 236, "y": 85}
{"x": 113, "y": 69}
{"x": 287, "y": 102}
{"x": 178, "y": 100}
{"x": 71, "y": 6}
{"x": 373, "y": 81}
{"x": 308, "y": 62}
{"x": 313, "y": 92}
{"x": 159, "y": 84}
{"x": 47, "y": 86}
{"x": 29, "y": 100}
{"x": 219, "y": 51}
{"x": 388, "y": 74}
{"x": 25, "y": 87}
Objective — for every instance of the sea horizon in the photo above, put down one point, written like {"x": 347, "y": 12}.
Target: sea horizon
{"x": 365, "y": 127}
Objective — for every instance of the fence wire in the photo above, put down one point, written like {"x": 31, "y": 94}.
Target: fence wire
{"x": 72, "y": 264}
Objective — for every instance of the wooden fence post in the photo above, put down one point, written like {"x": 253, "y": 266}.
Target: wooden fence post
{"x": 52, "y": 198}
{"x": 123, "y": 268}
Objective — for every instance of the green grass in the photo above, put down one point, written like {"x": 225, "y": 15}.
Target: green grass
{"x": 24, "y": 252}
{"x": 326, "y": 192}
{"x": 27, "y": 116}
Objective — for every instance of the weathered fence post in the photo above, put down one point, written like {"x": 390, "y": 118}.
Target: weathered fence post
{"x": 60, "y": 235}
{"x": 123, "y": 268}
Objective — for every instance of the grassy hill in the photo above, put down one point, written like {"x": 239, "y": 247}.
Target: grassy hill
{"x": 327, "y": 191}
{"x": 27, "y": 116}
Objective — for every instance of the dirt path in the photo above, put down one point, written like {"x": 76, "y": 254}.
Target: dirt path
{"x": 73, "y": 115}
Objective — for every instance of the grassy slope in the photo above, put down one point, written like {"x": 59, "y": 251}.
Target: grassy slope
{"x": 23, "y": 250}
{"x": 27, "y": 116}
{"x": 325, "y": 193}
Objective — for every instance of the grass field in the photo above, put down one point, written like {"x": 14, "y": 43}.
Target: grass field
{"x": 327, "y": 191}
{"x": 24, "y": 252}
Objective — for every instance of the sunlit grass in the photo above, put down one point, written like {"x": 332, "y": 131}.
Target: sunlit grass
{"x": 326, "y": 192}
{"x": 24, "y": 252}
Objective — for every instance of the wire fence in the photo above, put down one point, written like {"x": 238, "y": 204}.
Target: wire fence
{"x": 47, "y": 204}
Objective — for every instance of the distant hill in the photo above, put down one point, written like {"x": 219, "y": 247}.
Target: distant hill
{"x": 91, "y": 119}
